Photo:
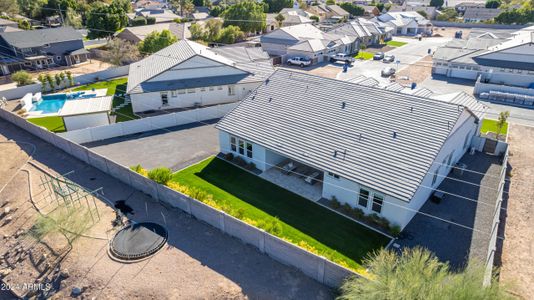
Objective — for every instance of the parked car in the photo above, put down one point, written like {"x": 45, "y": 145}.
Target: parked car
{"x": 342, "y": 57}
{"x": 378, "y": 56}
{"x": 299, "y": 61}
{"x": 388, "y": 71}
{"x": 389, "y": 58}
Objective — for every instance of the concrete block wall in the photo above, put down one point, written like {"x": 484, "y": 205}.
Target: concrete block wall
{"x": 314, "y": 266}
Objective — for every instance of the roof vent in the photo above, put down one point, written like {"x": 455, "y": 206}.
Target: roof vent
{"x": 270, "y": 99}
{"x": 394, "y": 134}
{"x": 339, "y": 154}
{"x": 411, "y": 108}
{"x": 343, "y": 105}
{"x": 360, "y": 136}
{"x": 267, "y": 81}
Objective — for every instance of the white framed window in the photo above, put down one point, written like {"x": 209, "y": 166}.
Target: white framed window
{"x": 241, "y": 147}
{"x": 249, "y": 150}
{"x": 181, "y": 92}
{"x": 58, "y": 57}
{"x": 219, "y": 87}
{"x": 27, "y": 63}
{"x": 164, "y": 99}
{"x": 333, "y": 175}
{"x": 363, "y": 198}
{"x": 173, "y": 93}
{"x": 231, "y": 90}
{"x": 378, "y": 200}
{"x": 233, "y": 144}
{"x": 202, "y": 89}
{"x": 190, "y": 91}
{"x": 212, "y": 88}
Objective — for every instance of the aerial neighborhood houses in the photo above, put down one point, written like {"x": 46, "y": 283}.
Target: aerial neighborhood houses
{"x": 406, "y": 23}
{"x": 188, "y": 74}
{"x": 355, "y": 147}
{"x": 40, "y": 49}
{"x": 480, "y": 14}
{"x": 137, "y": 34}
{"x": 502, "y": 59}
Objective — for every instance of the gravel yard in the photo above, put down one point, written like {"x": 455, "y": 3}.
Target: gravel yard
{"x": 518, "y": 248}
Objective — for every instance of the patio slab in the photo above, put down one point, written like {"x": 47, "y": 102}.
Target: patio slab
{"x": 294, "y": 184}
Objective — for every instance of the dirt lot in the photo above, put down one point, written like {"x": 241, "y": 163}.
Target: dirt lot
{"x": 518, "y": 248}
{"x": 450, "y": 31}
{"x": 322, "y": 69}
{"x": 198, "y": 261}
{"x": 417, "y": 72}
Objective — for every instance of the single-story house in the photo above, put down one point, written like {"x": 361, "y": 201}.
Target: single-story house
{"x": 406, "y": 23}
{"x": 40, "y": 49}
{"x": 187, "y": 74}
{"x": 381, "y": 151}
{"x": 137, "y": 34}
{"x": 430, "y": 11}
{"x": 149, "y": 4}
{"x": 161, "y": 15}
{"x": 480, "y": 14}
{"x": 7, "y": 23}
{"x": 326, "y": 12}
{"x": 308, "y": 41}
{"x": 462, "y": 6}
{"x": 370, "y": 11}
{"x": 291, "y": 17}
{"x": 368, "y": 33}
{"x": 507, "y": 61}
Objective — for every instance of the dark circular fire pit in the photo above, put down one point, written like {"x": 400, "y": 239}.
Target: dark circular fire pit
{"x": 138, "y": 241}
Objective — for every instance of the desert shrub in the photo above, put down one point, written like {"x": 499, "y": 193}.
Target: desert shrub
{"x": 240, "y": 213}
{"x": 229, "y": 156}
{"x": 160, "y": 175}
{"x": 238, "y": 160}
{"x": 346, "y": 209}
{"x": 22, "y": 78}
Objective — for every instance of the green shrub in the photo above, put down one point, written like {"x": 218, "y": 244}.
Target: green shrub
{"x": 139, "y": 21}
{"x": 335, "y": 203}
{"x": 395, "y": 230}
{"x": 346, "y": 208}
{"x": 272, "y": 226}
{"x": 160, "y": 175}
{"x": 238, "y": 160}
{"x": 150, "y": 20}
{"x": 240, "y": 213}
{"x": 22, "y": 78}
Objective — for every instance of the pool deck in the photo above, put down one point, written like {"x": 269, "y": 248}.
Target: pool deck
{"x": 40, "y": 114}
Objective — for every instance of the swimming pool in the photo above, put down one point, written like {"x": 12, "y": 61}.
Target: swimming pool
{"x": 50, "y": 104}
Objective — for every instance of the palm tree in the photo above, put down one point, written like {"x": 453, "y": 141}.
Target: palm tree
{"x": 418, "y": 274}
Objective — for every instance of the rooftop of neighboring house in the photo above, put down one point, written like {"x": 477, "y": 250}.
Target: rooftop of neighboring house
{"x": 481, "y": 13}
{"x": 381, "y": 139}
{"x": 402, "y": 18}
{"x": 476, "y": 50}
{"x": 466, "y": 4}
{"x": 6, "y": 22}
{"x": 9, "y": 29}
{"x": 358, "y": 28}
{"x": 253, "y": 61}
{"x": 41, "y": 37}
{"x": 180, "y": 30}
{"x": 148, "y": 4}
{"x": 306, "y": 36}
{"x": 161, "y": 15}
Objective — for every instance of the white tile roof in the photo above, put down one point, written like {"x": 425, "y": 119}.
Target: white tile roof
{"x": 301, "y": 117}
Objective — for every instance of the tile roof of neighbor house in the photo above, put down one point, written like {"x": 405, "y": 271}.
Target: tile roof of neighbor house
{"x": 140, "y": 32}
{"x": 254, "y": 61}
{"x": 9, "y": 29}
{"x": 40, "y": 37}
{"x": 481, "y": 13}
{"x": 384, "y": 140}
{"x": 5, "y": 22}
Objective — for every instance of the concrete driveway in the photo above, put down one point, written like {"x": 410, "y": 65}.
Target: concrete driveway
{"x": 174, "y": 147}
{"x": 407, "y": 54}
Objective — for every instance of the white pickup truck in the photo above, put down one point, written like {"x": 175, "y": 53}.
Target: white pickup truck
{"x": 299, "y": 61}
{"x": 346, "y": 58}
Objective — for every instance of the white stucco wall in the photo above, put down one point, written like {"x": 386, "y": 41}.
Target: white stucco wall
{"x": 201, "y": 97}
{"x": 85, "y": 121}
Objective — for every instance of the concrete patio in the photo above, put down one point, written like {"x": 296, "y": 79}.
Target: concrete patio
{"x": 293, "y": 183}
{"x": 459, "y": 227}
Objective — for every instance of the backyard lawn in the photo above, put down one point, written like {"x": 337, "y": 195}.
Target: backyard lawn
{"x": 116, "y": 87}
{"x": 364, "y": 55}
{"x": 395, "y": 43}
{"x": 489, "y": 125}
{"x": 302, "y": 221}
{"x": 54, "y": 124}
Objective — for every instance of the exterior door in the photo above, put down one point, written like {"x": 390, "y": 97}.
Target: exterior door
{"x": 164, "y": 99}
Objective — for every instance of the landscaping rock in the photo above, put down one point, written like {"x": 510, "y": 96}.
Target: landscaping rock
{"x": 65, "y": 273}
{"x": 76, "y": 291}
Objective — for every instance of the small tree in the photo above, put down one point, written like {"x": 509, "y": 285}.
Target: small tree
{"x": 62, "y": 77}
{"x": 57, "y": 79}
{"x": 330, "y": 2}
{"x": 138, "y": 21}
{"x": 502, "y": 121}
{"x": 280, "y": 19}
{"x": 493, "y": 3}
{"x": 42, "y": 79}
{"x": 197, "y": 33}
{"x": 121, "y": 52}
{"x": 418, "y": 274}
{"x": 50, "y": 81}
{"x": 70, "y": 78}
{"x": 22, "y": 78}
{"x": 156, "y": 41}
{"x": 230, "y": 35}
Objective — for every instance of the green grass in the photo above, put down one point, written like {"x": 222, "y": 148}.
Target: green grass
{"x": 54, "y": 124}
{"x": 116, "y": 87}
{"x": 489, "y": 125}
{"x": 364, "y": 55}
{"x": 395, "y": 43}
{"x": 333, "y": 236}
{"x": 111, "y": 85}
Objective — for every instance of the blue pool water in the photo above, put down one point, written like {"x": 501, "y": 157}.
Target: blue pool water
{"x": 53, "y": 103}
